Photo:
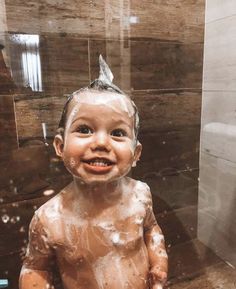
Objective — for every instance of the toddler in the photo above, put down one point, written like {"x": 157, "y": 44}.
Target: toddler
{"x": 100, "y": 229}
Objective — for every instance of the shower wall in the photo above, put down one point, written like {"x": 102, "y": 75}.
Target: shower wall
{"x": 217, "y": 201}
{"x": 155, "y": 50}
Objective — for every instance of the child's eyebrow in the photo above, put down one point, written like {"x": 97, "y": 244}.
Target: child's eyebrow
{"x": 115, "y": 123}
{"x": 83, "y": 118}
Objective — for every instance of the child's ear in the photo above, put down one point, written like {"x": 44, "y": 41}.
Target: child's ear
{"x": 137, "y": 153}
{"x": 58, "y": 144}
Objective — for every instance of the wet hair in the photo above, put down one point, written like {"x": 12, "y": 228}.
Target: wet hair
{"x": 103, "y": 83}
{"x": 99, "y": 86}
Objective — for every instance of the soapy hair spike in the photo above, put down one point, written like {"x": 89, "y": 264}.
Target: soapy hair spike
{"x": 105, "y": 74}
{"x": 104, "y": 81}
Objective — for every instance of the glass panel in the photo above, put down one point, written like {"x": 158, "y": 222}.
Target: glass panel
{"x": 49, "y": 49}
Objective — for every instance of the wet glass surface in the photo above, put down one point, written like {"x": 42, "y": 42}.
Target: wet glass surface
{"x": 49, "y": 49}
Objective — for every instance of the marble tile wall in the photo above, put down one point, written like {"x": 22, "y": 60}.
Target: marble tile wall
{"x": 217, "y": 199}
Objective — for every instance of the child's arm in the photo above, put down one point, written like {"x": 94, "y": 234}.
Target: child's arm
{"x": 158, "y": 259}
{"x": 155, "y": 244}
{"x": 35, "y": 272}
{"x": 31, "y": 278}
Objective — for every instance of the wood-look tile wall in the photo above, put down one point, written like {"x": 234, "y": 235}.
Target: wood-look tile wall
{"x": 217, "y": 200}
{"x": 155, "y": 50}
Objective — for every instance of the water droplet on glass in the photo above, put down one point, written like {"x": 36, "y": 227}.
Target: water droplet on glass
{"x": 15, "y": 205}
{"x": 22, "y": 229}
{"x": 5, "y": 218}
{"x": 48, "y": 192}
{"x": 15, "y": 219}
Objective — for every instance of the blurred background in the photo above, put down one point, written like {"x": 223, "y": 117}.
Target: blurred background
{"x": 155, "y": 49}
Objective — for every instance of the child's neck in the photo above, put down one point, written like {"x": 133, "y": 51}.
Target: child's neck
{"x": 106, "y": 193}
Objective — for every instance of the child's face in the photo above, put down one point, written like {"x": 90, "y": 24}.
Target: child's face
{"x": 99, "y": 143}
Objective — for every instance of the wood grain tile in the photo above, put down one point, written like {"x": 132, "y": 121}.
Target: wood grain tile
{"x": 176, "y": 20}
{"x": 171, "y": 191}
{"x": 168, "y": 111}
{"x": 117, "y": 56}
{"x": 8, "y": 132}
{"x": 32, "y": 112}
{"x": 7, "y": 85}
{"x": 178, "y": 226}
{"x": 168, "y": 151}
{"x": 64, "y": 63}
{"x": 189, "y": 260}
{"x": 163, "y": 65}
{"x": 48, "y": 16}
{"x": 111, "y": 19}
{"x": 14, "y": 233}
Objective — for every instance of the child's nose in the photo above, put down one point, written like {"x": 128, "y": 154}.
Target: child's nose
{"x": 101, "y": 141}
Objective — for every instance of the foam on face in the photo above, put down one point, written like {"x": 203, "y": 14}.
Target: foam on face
{"x": 117, "y": 102}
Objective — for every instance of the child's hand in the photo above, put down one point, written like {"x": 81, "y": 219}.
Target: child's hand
{"x": 157, "y": 278}
{"x": 157, "y": 286}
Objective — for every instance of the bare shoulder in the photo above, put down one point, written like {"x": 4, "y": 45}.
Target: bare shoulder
{"x": 52, "y": 209}
{"x": 140, "y": 189}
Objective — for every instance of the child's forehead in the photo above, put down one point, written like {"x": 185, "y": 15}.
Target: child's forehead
{"x": 115, "y": 101}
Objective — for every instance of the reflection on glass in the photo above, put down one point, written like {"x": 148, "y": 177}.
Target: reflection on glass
{"x": 30, "y": 60}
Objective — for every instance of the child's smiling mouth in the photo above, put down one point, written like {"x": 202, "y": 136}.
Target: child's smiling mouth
{"x": 98, "y": 165}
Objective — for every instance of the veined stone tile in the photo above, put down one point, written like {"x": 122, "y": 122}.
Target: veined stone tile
{"x": 218, "y": 139}
{"x": 218, "y": 106}
{"x": 216, "y": 208}
{"x": 220, "y": 55}
{"x": 218, "y": 9}
{"x": 218, "y": 126}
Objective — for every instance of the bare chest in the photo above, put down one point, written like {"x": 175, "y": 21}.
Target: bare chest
{"x": 87, "y": 239}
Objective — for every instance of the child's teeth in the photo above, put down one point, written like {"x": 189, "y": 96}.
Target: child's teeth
{"x": 101, "y": 164}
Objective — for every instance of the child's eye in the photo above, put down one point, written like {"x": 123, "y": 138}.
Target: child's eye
{"x": 84, "y": 129}
{"x": 118, "y": 132}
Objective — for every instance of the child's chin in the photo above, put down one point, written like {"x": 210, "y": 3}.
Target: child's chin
{"x": 98, "y": 180}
